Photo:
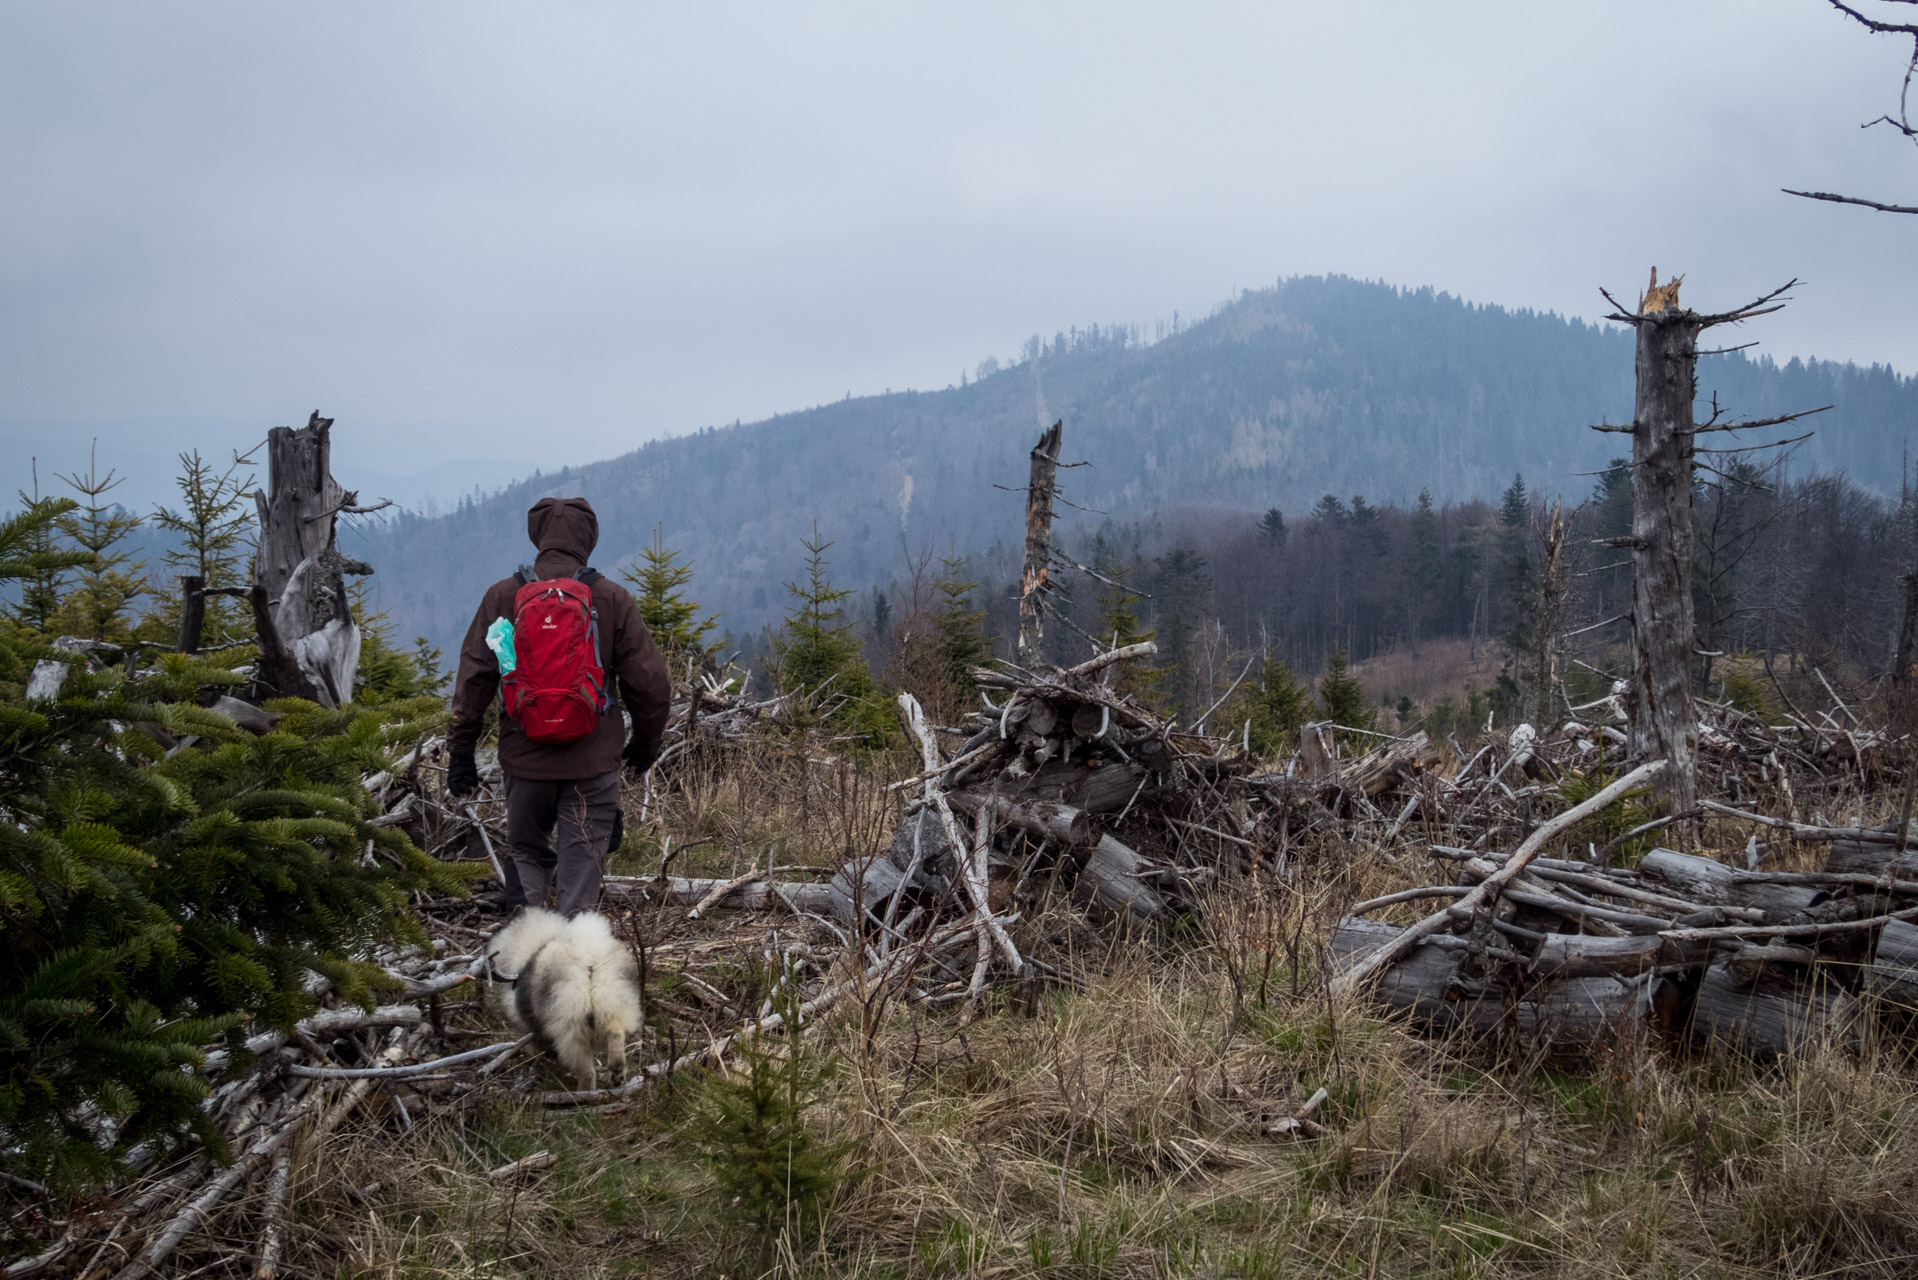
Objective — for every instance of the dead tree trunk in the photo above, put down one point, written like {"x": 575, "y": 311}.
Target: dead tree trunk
{"x": 1035, "y": 580}
{"x": 1551, "y": 612}
{"x": 1663, "y": 721}
{"x": 1664, "y": 434}
{"x": 309, "y": 644}
{"x": 1902, "y": 682}
{"x": 192, "y": 611}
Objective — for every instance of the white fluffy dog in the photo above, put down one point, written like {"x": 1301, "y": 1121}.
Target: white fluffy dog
{"x": 574, "y": 985}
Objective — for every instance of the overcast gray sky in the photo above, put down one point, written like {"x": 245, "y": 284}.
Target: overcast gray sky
{"x": 545, "y": 233}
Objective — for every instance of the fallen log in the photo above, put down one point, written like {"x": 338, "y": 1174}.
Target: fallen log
{"x": 1041, "y": 819}
{"x": 1769, "y": 1019}
{"x": 1893, "y": 973}
{"x": 1578, "y": 955}
{"x": 1857, "y": 857}
{"x": 1423, "y": 985}
{"x": 1110, "y": 880}
{"x": 1570, "y": 1013}
{"x": 1359, "y": 972}
{"x": 202, "y": 1206}
{"x": 868, "y": 885}
{"x": 759, "y": 895}
{"x": 1806, "y": 832}
{"x": 1597, "y": 1010}
{"x": 1712, "y": 883}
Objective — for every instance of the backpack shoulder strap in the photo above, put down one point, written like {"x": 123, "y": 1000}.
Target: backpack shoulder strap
{"x": 588, "y": 576}
{"x": 525, "y": 574}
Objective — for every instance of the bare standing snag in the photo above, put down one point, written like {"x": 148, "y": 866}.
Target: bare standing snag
{"x": 309, "y": 643}
{"x": 1663, "y": 723}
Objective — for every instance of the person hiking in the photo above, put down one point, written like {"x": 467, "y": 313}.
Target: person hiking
{"x": 572, "y": 648}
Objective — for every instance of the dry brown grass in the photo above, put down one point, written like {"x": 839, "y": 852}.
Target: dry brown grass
{"x": 1120, "y": 1130}
{"x": 1445, "y": 668}
{"x": 727, "y": 807}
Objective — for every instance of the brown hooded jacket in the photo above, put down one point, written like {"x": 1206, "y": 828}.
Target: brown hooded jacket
{"x": 565, "y": 531}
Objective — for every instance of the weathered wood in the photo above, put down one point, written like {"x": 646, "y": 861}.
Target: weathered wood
{"x": 1035, "y": 577}
{"x": 1779, "y": 902}
{"x": 1712, "y": 883}
{"x": 1704, "y": 880}
{"x": 1590, "y": 1012}
{"x": 1103, "y": 788}
{"x": 1751, "y": 964}
{"x": 1578, "y": 955}
{"x": 721, "y": 890}
{"x": 277, "y": 672}
{"x": 1110, "y": 880}
{"x": 970, "y": 864}
{"x": 1091, "y": 721}
{"x": 1586, "y": 1004}
{"x": 192, "y": 611}
{"x": 1904, "y": 664}
{"x": 1663, "y": 722}
{"x": 1318, "y": 752}
{"x": 249, "y": 717}
{"x": 864, "y": 884}
{"x": 1770, "y": 1019}
{"x": 1124, "y": 653}
{"x": 1388, "y": 769}
{"x": 535, "y": 1163}
{"x": 1423, "y": 984}
{"x": 1491, "y": 885}
{"x": 1155, "y": 756}
{"x": 1893, "y": 973}
{"x": 756, "y": 896}
{"x": 1857, "y": 858}
{"x": 1549, "y": 617}
{"x": 935, "y": 865}
{"x": 309, "y": 644}
{"x": 1042, "y": 819}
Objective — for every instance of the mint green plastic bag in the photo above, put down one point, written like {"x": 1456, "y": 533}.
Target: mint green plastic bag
{"x": 499, "y": 638}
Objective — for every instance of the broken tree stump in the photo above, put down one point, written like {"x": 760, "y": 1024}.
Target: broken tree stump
{"x": 309, "y": 643}
{"x": 1035, "y": 577}
{"x": 1663, "y": 723}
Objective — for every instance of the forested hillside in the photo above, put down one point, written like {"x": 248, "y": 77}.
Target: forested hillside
{"x": 1316, "y": 385}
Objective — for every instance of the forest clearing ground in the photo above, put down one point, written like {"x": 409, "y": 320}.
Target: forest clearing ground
{"x": 1120, "y": 1131}
{"x": 1119, "y": 1123}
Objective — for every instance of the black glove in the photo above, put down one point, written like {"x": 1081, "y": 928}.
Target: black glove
{"x": 639, "y": 756}
{"x": 462, "y": 775}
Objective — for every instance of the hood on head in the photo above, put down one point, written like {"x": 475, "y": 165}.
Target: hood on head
{"x": 565, "y": 525}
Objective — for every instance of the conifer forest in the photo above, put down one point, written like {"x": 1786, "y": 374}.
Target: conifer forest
{"x": 1356, "y": 783}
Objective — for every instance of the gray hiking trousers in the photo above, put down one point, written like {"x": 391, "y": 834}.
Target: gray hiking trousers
{"x": 557, "y": 833}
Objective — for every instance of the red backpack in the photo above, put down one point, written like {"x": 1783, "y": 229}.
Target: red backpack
{"x": 557, "y": 689}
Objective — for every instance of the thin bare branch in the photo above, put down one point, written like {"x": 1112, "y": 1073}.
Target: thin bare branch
{"x": 1838, "y": 199}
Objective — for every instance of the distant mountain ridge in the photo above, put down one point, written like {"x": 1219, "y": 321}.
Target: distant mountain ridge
{"x": 1317, "y": 385}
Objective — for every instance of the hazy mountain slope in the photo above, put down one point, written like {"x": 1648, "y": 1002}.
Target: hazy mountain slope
{"x": 1318, "y": 385}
